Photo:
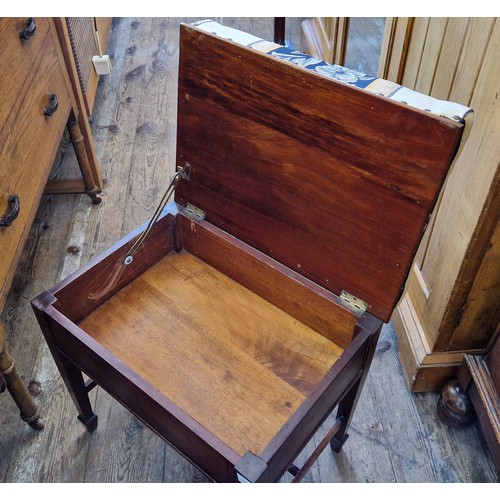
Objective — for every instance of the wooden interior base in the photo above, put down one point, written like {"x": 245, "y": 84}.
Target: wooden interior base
{"x": 230, "y": 356}
{"x": 252, "y": 361}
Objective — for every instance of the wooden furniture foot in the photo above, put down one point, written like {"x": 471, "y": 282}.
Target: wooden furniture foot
{"x": 90, "y": 423}
{"x": 454, "y": 406}
{"x": 338, "y": 441}
{"x": 16, "y": 387}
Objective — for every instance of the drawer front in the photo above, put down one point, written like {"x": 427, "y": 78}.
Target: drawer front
{"x": 17, "y": 58}
{"x": 27, "y": 150}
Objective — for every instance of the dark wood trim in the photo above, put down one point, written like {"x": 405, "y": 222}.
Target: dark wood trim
{"x": 279, "y": 30}
{"x": 485, "y": 398}
{"x": 102, "y": 277}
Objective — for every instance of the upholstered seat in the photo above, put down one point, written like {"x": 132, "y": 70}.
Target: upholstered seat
{"x": 378, "y": 86}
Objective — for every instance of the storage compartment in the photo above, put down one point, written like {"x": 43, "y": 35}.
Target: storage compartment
{"x": 233, "y": 344}
{"x": 215, "y": 348}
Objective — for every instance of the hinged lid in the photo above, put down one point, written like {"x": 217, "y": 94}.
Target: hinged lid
{"x": 330, "y": 180}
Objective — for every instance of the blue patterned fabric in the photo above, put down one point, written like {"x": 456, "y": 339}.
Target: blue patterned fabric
{"x": 335, "y": 71}
{"x": 374, "y": 85}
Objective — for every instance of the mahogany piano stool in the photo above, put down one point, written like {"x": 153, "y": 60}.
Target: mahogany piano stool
{"x": 240, "y": 318}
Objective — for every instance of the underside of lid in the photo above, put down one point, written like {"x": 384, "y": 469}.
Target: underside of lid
{"x": 332, "y": 181}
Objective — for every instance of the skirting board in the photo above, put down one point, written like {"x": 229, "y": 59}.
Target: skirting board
{"x": 424, "y": 370}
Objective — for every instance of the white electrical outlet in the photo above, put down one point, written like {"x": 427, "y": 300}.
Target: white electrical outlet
{"x": 102, "y": 64}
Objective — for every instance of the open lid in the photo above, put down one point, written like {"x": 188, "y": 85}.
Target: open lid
{"x": 330, "y": 180}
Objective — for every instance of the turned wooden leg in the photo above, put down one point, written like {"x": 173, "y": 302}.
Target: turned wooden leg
{"x": 16, "y": 387}
{"x": 77, "y": 140}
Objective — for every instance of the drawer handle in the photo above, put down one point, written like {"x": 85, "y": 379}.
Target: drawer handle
{"x": 30, "y": 29}
{"x": 52, "y": 107}
{"x": 14, "y": 207}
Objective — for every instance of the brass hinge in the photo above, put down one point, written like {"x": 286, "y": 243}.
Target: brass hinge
{"x": 353, "y": 303}
{"x": 194, "y": 213}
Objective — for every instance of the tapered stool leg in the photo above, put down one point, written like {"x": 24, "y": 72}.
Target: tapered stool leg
{"x": 345, "y": 410}
{"x": 71, "y": 375}
{"x": 348, "y": 403}
{"x": 77, "y": 389}
{"x": 16, "y": 387}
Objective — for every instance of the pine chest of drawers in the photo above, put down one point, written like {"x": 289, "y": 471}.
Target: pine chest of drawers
{"x": 33, "y": 114}
{"x": 37, "y": 102}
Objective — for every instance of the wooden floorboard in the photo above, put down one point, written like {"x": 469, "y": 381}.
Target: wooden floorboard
{"x": 395, "y": 435}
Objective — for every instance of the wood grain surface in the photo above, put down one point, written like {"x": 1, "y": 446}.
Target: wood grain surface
{"x": 215, "y": 349}
{"x": 330, "y": 180}
{"x": 67, "y": 234}
{"x": 25, "y": 169}
{"x": 290, "y": 291}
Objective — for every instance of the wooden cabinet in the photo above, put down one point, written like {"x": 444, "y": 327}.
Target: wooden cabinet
{"x": 452, "y": 301}
{"x": 476, "y": 392}
{"x": 480, "y": 378}
{"x": 451, "y": 305}
{"x": 37, "y": 103}
{"x": 82, "y": 38}
{"x": 30, "y": 136}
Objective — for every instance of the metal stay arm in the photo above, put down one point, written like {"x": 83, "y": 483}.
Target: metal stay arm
{"x": 181, "y": 174}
